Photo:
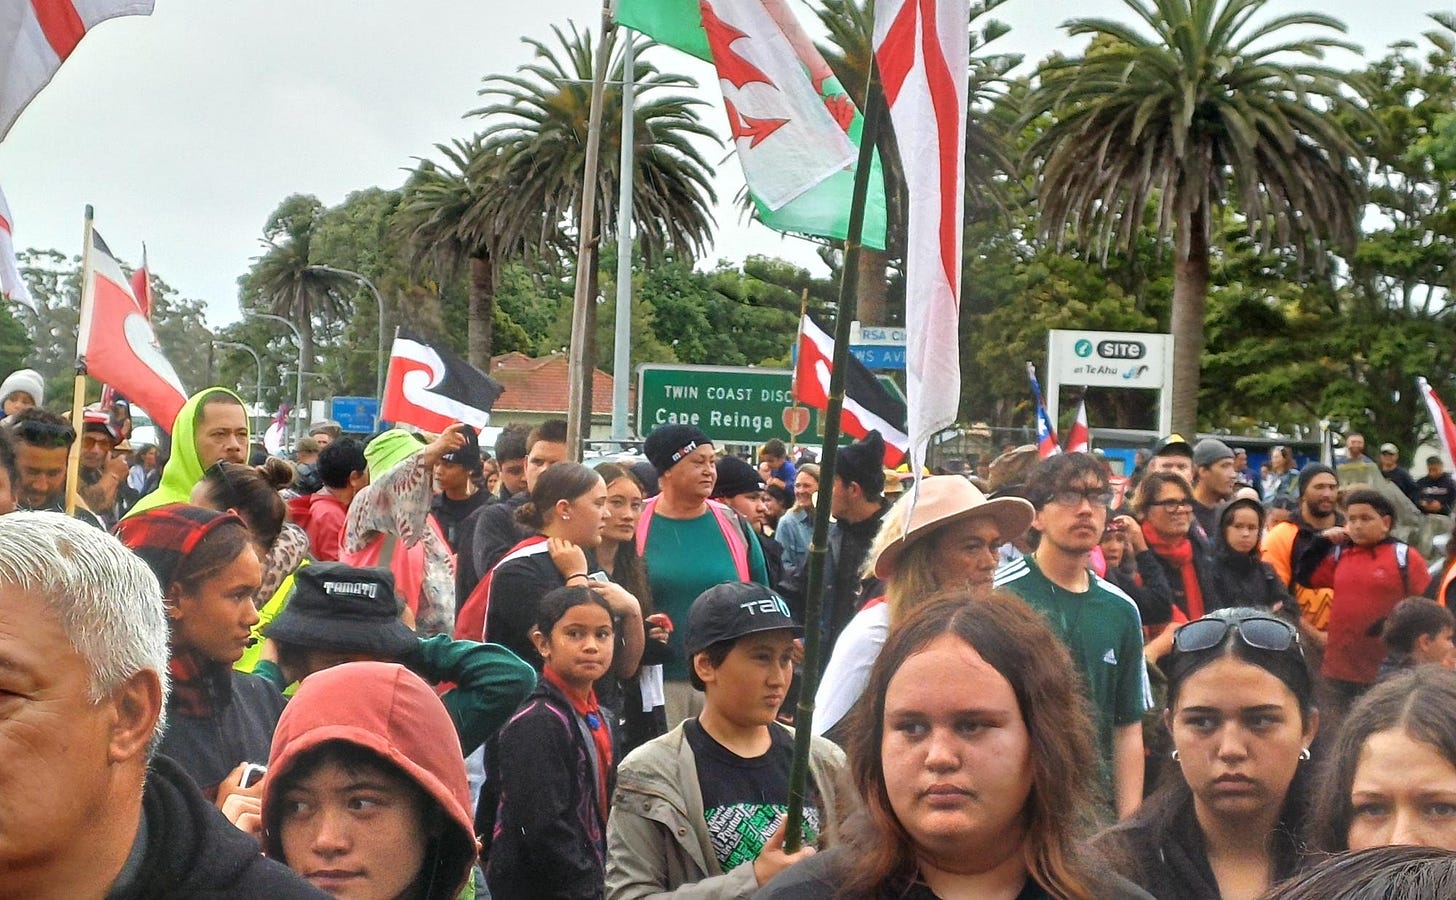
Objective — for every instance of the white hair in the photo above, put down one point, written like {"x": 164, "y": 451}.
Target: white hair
{"x": 106, "y": 599}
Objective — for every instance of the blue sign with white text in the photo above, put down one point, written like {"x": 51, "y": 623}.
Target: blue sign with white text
{"x": 354, "y": 414}
{"x": 879, "y": 356}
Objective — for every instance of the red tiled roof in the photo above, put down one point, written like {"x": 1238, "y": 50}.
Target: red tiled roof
{"x": 542, "y": 385}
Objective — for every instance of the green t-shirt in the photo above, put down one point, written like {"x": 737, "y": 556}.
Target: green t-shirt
{"x": 684, "y": 558}
{"x": 1104, "y": 634}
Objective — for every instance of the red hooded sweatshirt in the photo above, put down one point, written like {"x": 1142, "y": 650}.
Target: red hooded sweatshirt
{"x": 391, "y": 711}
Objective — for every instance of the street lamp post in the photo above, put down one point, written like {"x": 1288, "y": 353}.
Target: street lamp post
{"x": 379, "y": 354}
{"x": 298, "y": 397}
{"x": 258, "y": 388}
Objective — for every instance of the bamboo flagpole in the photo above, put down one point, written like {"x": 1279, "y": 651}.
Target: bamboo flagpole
{"x": 581, "y": 371}
{"x": 818, "y": 546}
{"x": 78, "y": 389}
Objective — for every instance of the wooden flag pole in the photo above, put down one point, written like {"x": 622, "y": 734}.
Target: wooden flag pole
{"x": 78, "y": 388}
{"x": 818, "y": 547}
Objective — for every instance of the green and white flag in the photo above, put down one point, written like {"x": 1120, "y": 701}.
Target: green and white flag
{"x": 793, "y": 125}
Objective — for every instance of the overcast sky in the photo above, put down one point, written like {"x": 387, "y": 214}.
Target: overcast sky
{"x": 185, "y": 129}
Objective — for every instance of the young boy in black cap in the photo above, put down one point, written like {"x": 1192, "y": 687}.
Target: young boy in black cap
{"x": 704, "y": 804}
{"x": 457, "y": 476}
{"x": 339, "y": 614}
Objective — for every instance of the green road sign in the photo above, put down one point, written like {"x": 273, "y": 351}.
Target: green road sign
{"x": 733, "y": 404}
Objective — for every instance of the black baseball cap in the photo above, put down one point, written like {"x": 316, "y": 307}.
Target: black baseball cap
{"x": 733, "y": 609}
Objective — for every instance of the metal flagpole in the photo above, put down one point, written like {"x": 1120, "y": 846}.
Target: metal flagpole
{"x": 818, "y": 547}
{"x": 579, "y": 367}
{"x": 626, "y": 182}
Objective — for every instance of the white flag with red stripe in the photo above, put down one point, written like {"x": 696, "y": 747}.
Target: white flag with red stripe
{"x": 11, "y": 284}
{"x": 1445, "y": 429}
{"x": 117, "y": 344}
{"x": 1079, "y": 439}
{"x": 36, "y": 36}
{"x": 923, "y": 53}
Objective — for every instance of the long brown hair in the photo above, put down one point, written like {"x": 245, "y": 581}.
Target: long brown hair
{"x": 628, "y": 569}
{"x": 1421, "y": 702}
{"x": 1017, "y": 643}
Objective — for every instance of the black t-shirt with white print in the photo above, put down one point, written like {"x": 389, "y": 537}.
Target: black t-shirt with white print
{"x": 745, "y": 800}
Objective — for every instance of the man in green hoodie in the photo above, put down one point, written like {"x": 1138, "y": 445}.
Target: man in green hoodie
{"x": 212, "y": 426}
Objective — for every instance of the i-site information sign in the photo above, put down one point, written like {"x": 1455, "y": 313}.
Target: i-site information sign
{"x": 1113, "y": 359}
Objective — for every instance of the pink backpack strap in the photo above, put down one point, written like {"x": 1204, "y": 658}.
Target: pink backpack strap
{"x": 728, "y": 524}
{"x": 644, "y": 522}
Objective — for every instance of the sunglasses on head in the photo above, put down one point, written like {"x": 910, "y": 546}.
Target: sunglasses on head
{"x": 1259, "y": 632}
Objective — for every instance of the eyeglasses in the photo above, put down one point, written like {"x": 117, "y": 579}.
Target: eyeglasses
{"x": 1172, "y": 505}
{"x": 1098, "y": 497}
{"x": 1259, "y": 632}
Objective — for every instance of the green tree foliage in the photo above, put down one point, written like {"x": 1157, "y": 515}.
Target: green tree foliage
{"x": 15, "y": 346}
{"x": 1203, "y": 105}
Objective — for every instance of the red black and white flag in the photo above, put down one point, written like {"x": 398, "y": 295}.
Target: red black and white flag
{"x": 116, "y": 342}
{"x": 431, "y": 388}
{"x": 36, "y": 36}
{"x": 867, "y": 405}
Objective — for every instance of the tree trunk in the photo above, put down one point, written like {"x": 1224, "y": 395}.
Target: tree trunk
{"x": 874, "y": 287}
{"x": 589, "y": 337}
{"x": 482, "y": 311}
{"x": 1190, "y": 294}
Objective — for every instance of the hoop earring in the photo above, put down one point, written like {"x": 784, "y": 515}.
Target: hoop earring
{"x": 1173, "y": 756}
{"x": 1304, "y": 754}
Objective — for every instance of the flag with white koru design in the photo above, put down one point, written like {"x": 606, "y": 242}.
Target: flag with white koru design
{"x": 431, "y": 388}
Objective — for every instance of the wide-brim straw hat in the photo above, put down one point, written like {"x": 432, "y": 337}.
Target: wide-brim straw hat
{"x": 946, "y": 499}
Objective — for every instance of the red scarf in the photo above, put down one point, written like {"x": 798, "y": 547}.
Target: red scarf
{"x": 1179, "y": 552}
{"x": 601, "y": 735}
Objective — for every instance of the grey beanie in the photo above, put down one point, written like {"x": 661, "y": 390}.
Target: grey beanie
{"x": 27, "y": 380}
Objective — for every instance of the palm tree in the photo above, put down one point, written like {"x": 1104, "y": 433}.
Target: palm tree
{"x": 1213, "y": 107}
{"x": 447, "y": 220}
{"x": 283, "y": 280}
{"x": 537, "y": 120}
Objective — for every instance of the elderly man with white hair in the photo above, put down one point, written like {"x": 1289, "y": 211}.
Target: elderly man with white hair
{"x": 86, "y": 808}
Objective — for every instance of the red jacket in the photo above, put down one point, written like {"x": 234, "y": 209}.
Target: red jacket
{"x": 325, "y": 525}
{"x": 1367, "y": 583}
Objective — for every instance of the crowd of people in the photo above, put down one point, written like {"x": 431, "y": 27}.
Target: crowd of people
{"x": 412, "y": 666}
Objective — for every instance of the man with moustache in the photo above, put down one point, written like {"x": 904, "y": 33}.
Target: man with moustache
{"x": 1098, "y": 623}
{"x": 1286, "y": 542}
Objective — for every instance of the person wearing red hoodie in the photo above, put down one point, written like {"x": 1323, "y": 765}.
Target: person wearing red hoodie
{"x": 1370, "y": 572}
{"x": 366, "y": 793}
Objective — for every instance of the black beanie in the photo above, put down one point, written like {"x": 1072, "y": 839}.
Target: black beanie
{"x": 1306, "y": 475}
{"x": 863, "y": 463}
{"x": 736, "y": 477}
{"x": 668, "y": 444}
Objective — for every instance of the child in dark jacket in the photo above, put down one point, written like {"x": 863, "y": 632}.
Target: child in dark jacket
{"x": 555, "y": 761}
{"x": 1240, "y": 577}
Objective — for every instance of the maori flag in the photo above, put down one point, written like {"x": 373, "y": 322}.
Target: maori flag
{"x": 431, "y": 388}
{"x": 116, "y": 342}
{"x": 924, "y": 62}
{"x": 867, "y": 405}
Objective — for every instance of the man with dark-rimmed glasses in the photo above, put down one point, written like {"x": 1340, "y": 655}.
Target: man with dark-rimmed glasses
{"x": 1098, "y": 623}
{"x": 42, "y": 448}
